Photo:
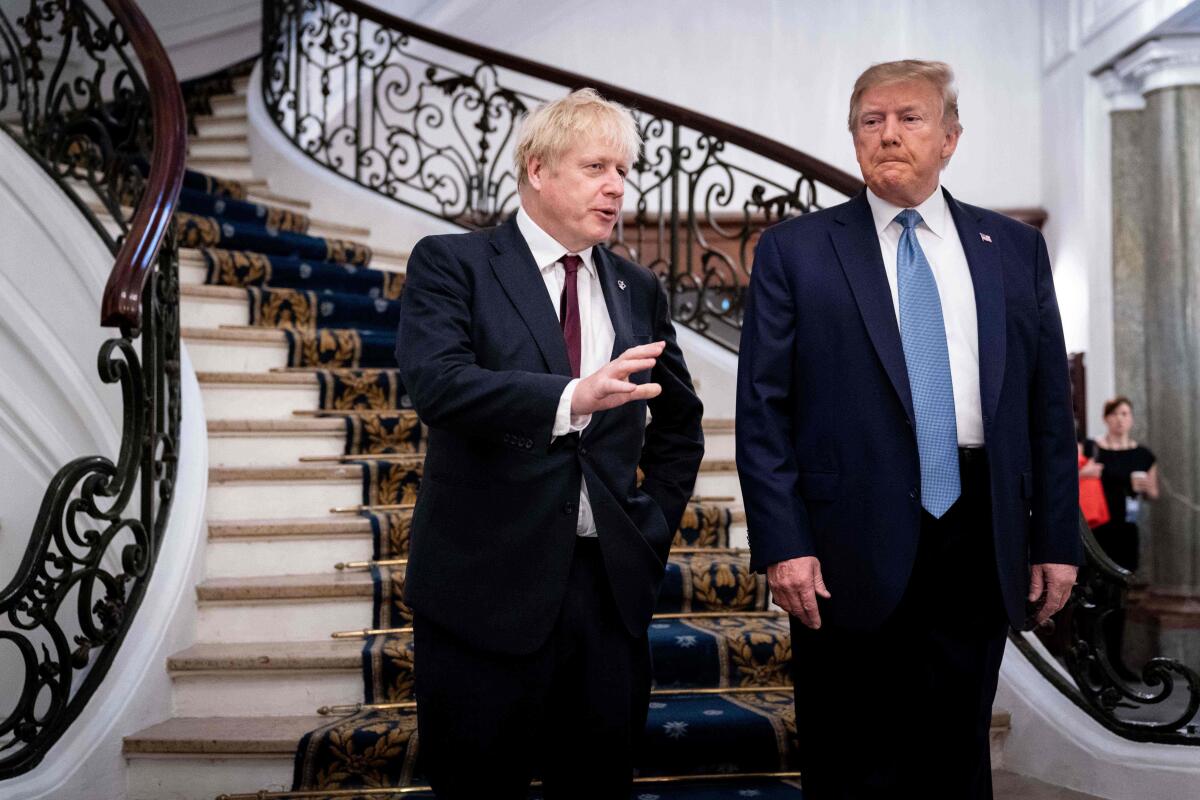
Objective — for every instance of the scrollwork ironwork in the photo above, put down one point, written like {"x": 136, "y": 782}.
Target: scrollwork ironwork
{"x": 73, "y": 96}
{"x": 1096, "y": 684}
{"x": 433, "y": 128}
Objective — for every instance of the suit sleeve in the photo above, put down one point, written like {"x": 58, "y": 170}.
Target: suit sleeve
{"x": 674, "y": 444}
{"x": 775, "y": 513}
{"x": 1054, "y": 531}
{"x": 438, "y": 365}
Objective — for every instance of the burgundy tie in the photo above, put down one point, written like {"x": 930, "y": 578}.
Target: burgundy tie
{"x": 569, "y": 316}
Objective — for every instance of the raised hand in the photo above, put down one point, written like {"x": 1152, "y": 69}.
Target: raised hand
{"x": 609, "y": 386}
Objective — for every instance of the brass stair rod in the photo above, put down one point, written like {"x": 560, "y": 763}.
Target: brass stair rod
{"x": 361, "y": 508}
{"x": 365, "y": 632}
{"x": 398, "y": 458}
{"x": 354, "y": 708}
{"x": 385, "y": 792}
{"x": 386, "y": 562}
{"x": 351, "y": 412}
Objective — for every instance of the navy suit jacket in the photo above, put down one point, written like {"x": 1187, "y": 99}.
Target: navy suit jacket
{"x": 826, "y": 445}
{"x": 483, "y": 358}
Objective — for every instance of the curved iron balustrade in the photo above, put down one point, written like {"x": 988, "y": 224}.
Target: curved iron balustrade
{"x": 72, "y": 93}
{"x": 1096, "y": 684}
{"x": 428, "y": 120}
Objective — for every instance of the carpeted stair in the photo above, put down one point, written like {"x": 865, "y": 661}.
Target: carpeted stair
{"x": 722, "y": 703}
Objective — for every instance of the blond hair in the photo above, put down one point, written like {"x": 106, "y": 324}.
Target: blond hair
{"x": 936, "y": 73}
{"x": 548, "y": 131}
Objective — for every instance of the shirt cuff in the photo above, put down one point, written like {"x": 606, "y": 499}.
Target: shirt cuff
{"x": 564, "y": 421}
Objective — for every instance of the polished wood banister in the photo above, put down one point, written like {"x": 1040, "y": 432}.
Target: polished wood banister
{"x": 811, "y": 167}
{"x": 121, "y": 305}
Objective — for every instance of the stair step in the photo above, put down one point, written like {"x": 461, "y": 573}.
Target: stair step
{"x": 235, "y": 349}
{"x": 261, "y": 395}
{"x": 227, "y": 105}
{"x": 290, "y": 547}
{"x": 205, "y": 306}
{"x": 233, "y": 167}
{"x": 281, "y": 492}
{"x": 275, "y": 679}
{"x": 257, "y": 192}
{"x": 263, "y": 442}
{"x": 226, "y": 125}
{"x": 219, "y": 146}
{"x": 282, "y": 607}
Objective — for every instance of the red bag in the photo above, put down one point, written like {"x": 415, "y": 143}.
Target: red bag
{"x": 1091, "y": 499}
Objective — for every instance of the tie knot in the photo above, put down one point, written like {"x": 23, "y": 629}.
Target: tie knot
{"x": 909, "y": 218}
{"x": 572, "y": 263}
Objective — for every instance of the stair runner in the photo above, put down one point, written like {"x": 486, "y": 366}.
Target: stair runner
{"x": 721, "y": 720}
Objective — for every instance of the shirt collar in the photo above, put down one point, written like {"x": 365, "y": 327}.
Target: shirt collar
{"x": 545, "y": 248}
{"x": 932, "y": 211}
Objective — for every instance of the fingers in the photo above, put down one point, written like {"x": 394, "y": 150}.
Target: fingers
{"x": 613, "y": 393}
{"x": 794, "y": 586}
{"x": 624, "y": 367}
{"x": 1035, "y": 583}
{"x": 819, "y": 582}
{"x": 652, "y": 350}
{"x": 1056, "y": 598}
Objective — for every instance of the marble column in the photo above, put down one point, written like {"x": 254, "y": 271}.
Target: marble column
{"x": 1156, "y": 274}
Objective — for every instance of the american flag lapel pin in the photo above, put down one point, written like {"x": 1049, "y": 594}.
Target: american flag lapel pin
{"x": 985, "y": 237}
{"x": 621, "y": 284}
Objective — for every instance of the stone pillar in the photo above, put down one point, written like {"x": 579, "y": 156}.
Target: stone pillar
{"x": 1156, "y": 274}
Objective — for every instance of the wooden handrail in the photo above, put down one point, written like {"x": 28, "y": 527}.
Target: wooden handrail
{"x": 777, "y": 151}
{"x": 121, "y": 306}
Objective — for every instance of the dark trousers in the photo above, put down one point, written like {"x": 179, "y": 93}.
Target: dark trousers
{"x": 572, "y": 712}
{"x": 905, "y": 710}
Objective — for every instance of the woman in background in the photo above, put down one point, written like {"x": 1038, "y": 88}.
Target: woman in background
{"x": 1129, "y": 476}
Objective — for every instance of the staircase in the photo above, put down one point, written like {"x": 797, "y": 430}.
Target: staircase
{"x": 280, "y": 516}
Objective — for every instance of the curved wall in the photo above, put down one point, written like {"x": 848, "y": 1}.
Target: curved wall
{"x": 53, "y": 408}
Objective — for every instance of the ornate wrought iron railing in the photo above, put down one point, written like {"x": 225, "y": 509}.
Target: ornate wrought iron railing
{"x": 89, "y": 93}
{"x": 428, "y": 120}
{"x": 1159, "y": 704}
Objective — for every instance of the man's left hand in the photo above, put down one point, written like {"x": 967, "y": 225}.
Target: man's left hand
{"x": 1055, "y": 581}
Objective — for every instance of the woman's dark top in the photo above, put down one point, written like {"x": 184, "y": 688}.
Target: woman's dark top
{"x": 1118, "y": 537}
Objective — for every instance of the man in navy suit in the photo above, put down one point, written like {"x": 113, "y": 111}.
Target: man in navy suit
{"x": 906, "y": 453}
{"x": 533, "y": 354}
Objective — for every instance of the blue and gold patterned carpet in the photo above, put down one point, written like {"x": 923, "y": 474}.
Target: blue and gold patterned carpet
{"x": 721, "y": 721}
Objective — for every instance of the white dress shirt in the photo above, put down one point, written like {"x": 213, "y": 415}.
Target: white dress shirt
{"x": 595, "y": 328}
{"x": 938, "y": 237}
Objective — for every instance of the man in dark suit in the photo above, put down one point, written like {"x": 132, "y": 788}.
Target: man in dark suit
{"x": 533, "y": 354}
{"x": 906, "y": 453}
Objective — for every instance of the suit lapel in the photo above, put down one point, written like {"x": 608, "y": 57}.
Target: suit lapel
{"x": 987, "y": 276}
{"x": 522, "y": 282}
{"x": 617, "y": 300}
{"x": 857, "y": 246}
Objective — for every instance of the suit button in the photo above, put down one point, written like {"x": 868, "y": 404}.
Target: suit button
{"x": 568, "y": 507}
{"x": 912, "y": 494}
{"x": 583, "y": 451}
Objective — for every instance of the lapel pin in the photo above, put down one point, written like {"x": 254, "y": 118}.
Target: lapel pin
{"x": 621, "y": 285}
{"x": 986, "y": 238}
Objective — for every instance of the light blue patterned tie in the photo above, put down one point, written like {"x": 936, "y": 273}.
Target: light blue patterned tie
{"x": 923, "y": 334}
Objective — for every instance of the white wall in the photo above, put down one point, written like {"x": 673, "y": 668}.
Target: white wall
{"x": 1079, "y": 36}
{"x": 203, "y": 37}
{"x": 785, "y": 67}
{"x": 53, "y": 407}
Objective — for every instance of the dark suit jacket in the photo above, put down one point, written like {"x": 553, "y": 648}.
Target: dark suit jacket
{"x": 826, "y": 447}
{"x": 483, "y": 358}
